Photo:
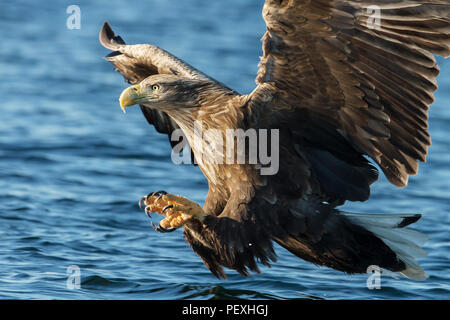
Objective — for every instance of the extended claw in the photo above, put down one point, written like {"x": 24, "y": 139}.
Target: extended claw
{"x": 162, "y": 229}
{"x": 143, "y": 199}
{"x": 147, "y": 212}
{"x": 158, "y": 194}
{"x": 167, "y": 207}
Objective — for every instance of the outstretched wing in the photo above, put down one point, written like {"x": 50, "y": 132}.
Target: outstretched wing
{"x": 364, "y": 72}
{"x": 137, "y": 62}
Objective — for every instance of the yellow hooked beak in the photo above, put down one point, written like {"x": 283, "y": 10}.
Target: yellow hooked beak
{"x": 130, "y": 96}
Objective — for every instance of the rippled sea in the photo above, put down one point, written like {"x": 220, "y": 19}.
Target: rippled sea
{"x": 73, "y": 166}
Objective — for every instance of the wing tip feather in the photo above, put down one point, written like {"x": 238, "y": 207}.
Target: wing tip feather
{"x": 108, "y": 39}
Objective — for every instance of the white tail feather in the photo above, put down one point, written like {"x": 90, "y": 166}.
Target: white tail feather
{"x": 378, "y": 220}
{"x": 404, "y": 242}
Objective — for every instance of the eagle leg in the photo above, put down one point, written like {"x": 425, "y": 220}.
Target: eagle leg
{"x": 176, "y": 209}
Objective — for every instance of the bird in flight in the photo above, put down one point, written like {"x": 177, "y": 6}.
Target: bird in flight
{"x": 345, "y": 85}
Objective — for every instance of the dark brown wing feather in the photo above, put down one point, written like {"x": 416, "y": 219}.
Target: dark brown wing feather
{"x": 371, "y": 83}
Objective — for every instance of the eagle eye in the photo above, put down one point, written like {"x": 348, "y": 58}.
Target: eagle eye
{"x": 155, "y": 87}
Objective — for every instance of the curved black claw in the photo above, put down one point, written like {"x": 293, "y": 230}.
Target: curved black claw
{"x": 158, "y": 194}
{"x": 162, "y": 229}
{"x": 142, "y": 200}
{"x": 167, "y": 207}
{"x": 147, "y": 212}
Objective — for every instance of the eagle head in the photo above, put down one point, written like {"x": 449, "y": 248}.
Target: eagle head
{"x": 165, "y": 92}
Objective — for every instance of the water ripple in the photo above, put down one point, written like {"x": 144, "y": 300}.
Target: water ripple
{"x": 72, "y": 166}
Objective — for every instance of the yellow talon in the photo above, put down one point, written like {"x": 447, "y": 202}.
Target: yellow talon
{"x": 176, "y": 209}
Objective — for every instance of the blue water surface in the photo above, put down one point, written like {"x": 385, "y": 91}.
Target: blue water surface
{"x": 73, "y": 166}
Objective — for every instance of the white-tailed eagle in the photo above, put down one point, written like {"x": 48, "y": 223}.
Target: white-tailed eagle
{"x": 342, "y": 82}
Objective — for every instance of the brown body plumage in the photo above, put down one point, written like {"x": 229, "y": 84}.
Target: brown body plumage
{"x": 337, "y": 90}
